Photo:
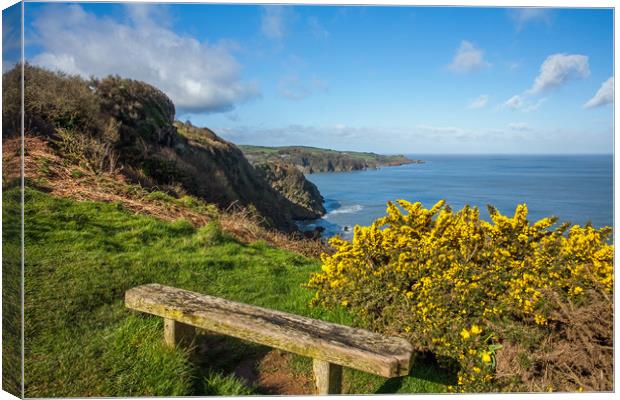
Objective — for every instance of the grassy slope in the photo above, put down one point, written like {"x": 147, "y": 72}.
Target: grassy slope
{"x": 11, "y": 297}
{"x": 82, "y": 256}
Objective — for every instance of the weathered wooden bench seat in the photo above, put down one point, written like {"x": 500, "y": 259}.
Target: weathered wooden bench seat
{"x": 331, "y": 346}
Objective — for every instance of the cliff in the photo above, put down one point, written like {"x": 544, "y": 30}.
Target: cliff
{"x": 292, "y": 184}
{"x": 311, "y": 159}
{"x": 128, "y": 126}
{"x": 225, "y": 172}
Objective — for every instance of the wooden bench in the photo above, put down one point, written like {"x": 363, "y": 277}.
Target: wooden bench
{"x": 331, "y": 346}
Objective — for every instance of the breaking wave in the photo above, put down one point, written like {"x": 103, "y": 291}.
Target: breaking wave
{"x": 346, "y": 210}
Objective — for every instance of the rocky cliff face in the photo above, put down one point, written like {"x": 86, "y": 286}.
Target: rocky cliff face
{"x": 219, "y": 171}
{"x": 291, "y": 183}
{"x": 284, "y": 169}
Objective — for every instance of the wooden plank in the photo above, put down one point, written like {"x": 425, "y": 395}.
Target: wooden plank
{"x": 337, "y": 344}
{"x": 327, "y": 377}
{"x": 178, "y": 333}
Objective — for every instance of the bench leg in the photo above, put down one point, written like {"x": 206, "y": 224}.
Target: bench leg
{"x": 176, "y": 333}
{"x": 327, "y": 376}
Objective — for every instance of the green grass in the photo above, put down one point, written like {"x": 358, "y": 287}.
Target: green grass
{"x": 11, "y": 296}
{"x": 80, "y": 340}
{"x": 216, "y": 384}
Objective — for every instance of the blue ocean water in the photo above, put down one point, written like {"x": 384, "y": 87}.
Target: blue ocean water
{"x": 575, "y": 188}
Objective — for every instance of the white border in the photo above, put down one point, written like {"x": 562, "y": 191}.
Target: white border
{"x": 478, "y": 3}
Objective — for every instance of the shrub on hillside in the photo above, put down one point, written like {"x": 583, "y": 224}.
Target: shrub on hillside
{"x": 145, "y": 114}
{"x": 51, "y": 100}
{"x": 86, "y": 150}
{"x": 126, "y": 126}
{"x": 11, "y": 103}
{"x": 467, "y": 290}
{"x": 64, "y": 109}
{"x": 105, "y": 117}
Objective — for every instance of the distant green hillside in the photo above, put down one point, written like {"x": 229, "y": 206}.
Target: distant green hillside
{"x": 312, "y": 159}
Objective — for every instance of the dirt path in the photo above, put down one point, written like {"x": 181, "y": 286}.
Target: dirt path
{"x": 268, "y": 370}
{"x": 272, "y": 374}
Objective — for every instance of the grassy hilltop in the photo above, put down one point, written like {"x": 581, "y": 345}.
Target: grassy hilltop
{"x": 313, "y": 159}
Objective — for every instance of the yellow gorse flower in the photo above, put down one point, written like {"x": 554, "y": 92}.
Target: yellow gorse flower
{"x": 577, "y": 290}
{"x": 540, "y": 320}
{"x": 439, "y": 276}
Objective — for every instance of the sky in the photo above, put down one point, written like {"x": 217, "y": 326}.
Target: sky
{"x": 413, "y": 80}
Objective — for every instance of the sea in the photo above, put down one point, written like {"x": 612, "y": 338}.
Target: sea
{"x": 575, "y": 188}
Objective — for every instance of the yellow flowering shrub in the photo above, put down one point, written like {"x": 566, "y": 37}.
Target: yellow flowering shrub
{"x": 446, "y": 280}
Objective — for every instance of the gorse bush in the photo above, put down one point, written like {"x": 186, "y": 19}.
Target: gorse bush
{"x": 461, "y": 287}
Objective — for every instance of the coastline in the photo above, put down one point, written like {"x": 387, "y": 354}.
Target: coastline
{"x": 547, "y": 184}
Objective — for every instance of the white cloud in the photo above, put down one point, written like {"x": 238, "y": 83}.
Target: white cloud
{"x": 558, "y": 69}
{"x": 605, "y": 95}
{"x": 273, "y": 21}
{"x": 460, "y": 135}
{"x": 335, "y": 136}
{"x": 363, "y": 138}
{"x": 423, "y": 138}
{"x": 523, "y": 103}
{"x": 197, "y": 76}
{"x": 519, "y": 126}
{"x": 535, "y": 106}
{"x": 468, "y": 58}
{"x": 441, "y": 130}
{"x": 514, "y": 103}
{"x": 555, "y": 71}
{"x": 479, "y": 102}
{"x": 523, "y": 16}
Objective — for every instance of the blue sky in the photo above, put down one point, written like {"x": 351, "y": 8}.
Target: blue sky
{"x": 384, "y": 79}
